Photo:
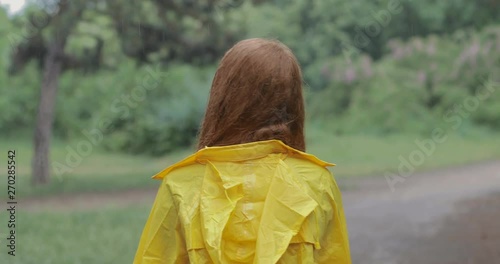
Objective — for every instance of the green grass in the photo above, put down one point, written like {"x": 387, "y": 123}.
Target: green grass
{"x": 369, "y": 155}
{"x": 98, "y": 172}
{"x": 106, "y": 235}
{"x": 355, "y": 155}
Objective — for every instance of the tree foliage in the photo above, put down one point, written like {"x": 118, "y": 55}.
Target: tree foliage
{"x": 384, "y": 66}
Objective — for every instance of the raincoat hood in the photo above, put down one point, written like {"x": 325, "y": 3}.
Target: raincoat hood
{"x": 259, "y": 202}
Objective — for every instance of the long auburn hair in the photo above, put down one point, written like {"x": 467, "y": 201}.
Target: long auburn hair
{"x": 256, "y": 95}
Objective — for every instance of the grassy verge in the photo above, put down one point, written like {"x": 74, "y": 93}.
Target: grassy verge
{"x": 354, "y": 156}
{"x": 107, "y": 235}
{"x": 370, "y": 155}
{"x": 98, "y": 172}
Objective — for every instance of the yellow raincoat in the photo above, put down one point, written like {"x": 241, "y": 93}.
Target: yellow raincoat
{"x": 259, "y": 202}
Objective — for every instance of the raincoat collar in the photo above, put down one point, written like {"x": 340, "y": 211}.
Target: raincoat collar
{"x": 241, "y": 152}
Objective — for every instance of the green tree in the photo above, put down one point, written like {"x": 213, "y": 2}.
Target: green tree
{"x": 62, "y": 24}
{"x": 149, "y": 32}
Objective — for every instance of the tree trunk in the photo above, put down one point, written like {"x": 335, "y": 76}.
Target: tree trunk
{"x": 62, "y": 24}
{"x": 45, "y": 113}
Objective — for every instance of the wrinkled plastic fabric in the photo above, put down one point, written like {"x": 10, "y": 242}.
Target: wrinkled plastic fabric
{"x": 259, "y": 202}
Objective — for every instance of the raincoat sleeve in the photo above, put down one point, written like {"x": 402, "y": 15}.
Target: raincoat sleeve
{"x": 161, "y": 240}
{"x": 334, "y": 241}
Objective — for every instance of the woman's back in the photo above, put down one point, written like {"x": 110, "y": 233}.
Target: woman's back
{"x": 259, "y": 202}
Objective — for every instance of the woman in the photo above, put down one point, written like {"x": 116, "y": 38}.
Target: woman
{"x": 250, "y": 194}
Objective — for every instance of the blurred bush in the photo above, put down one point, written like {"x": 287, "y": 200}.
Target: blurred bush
{"x": 414, "y": 86}
{"x": 166, "y": 118}
{"x": 145, "y": 109}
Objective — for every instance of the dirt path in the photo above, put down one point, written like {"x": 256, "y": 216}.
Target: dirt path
{"x": 449, "y": 216}
{"x": 432, "y": 217}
